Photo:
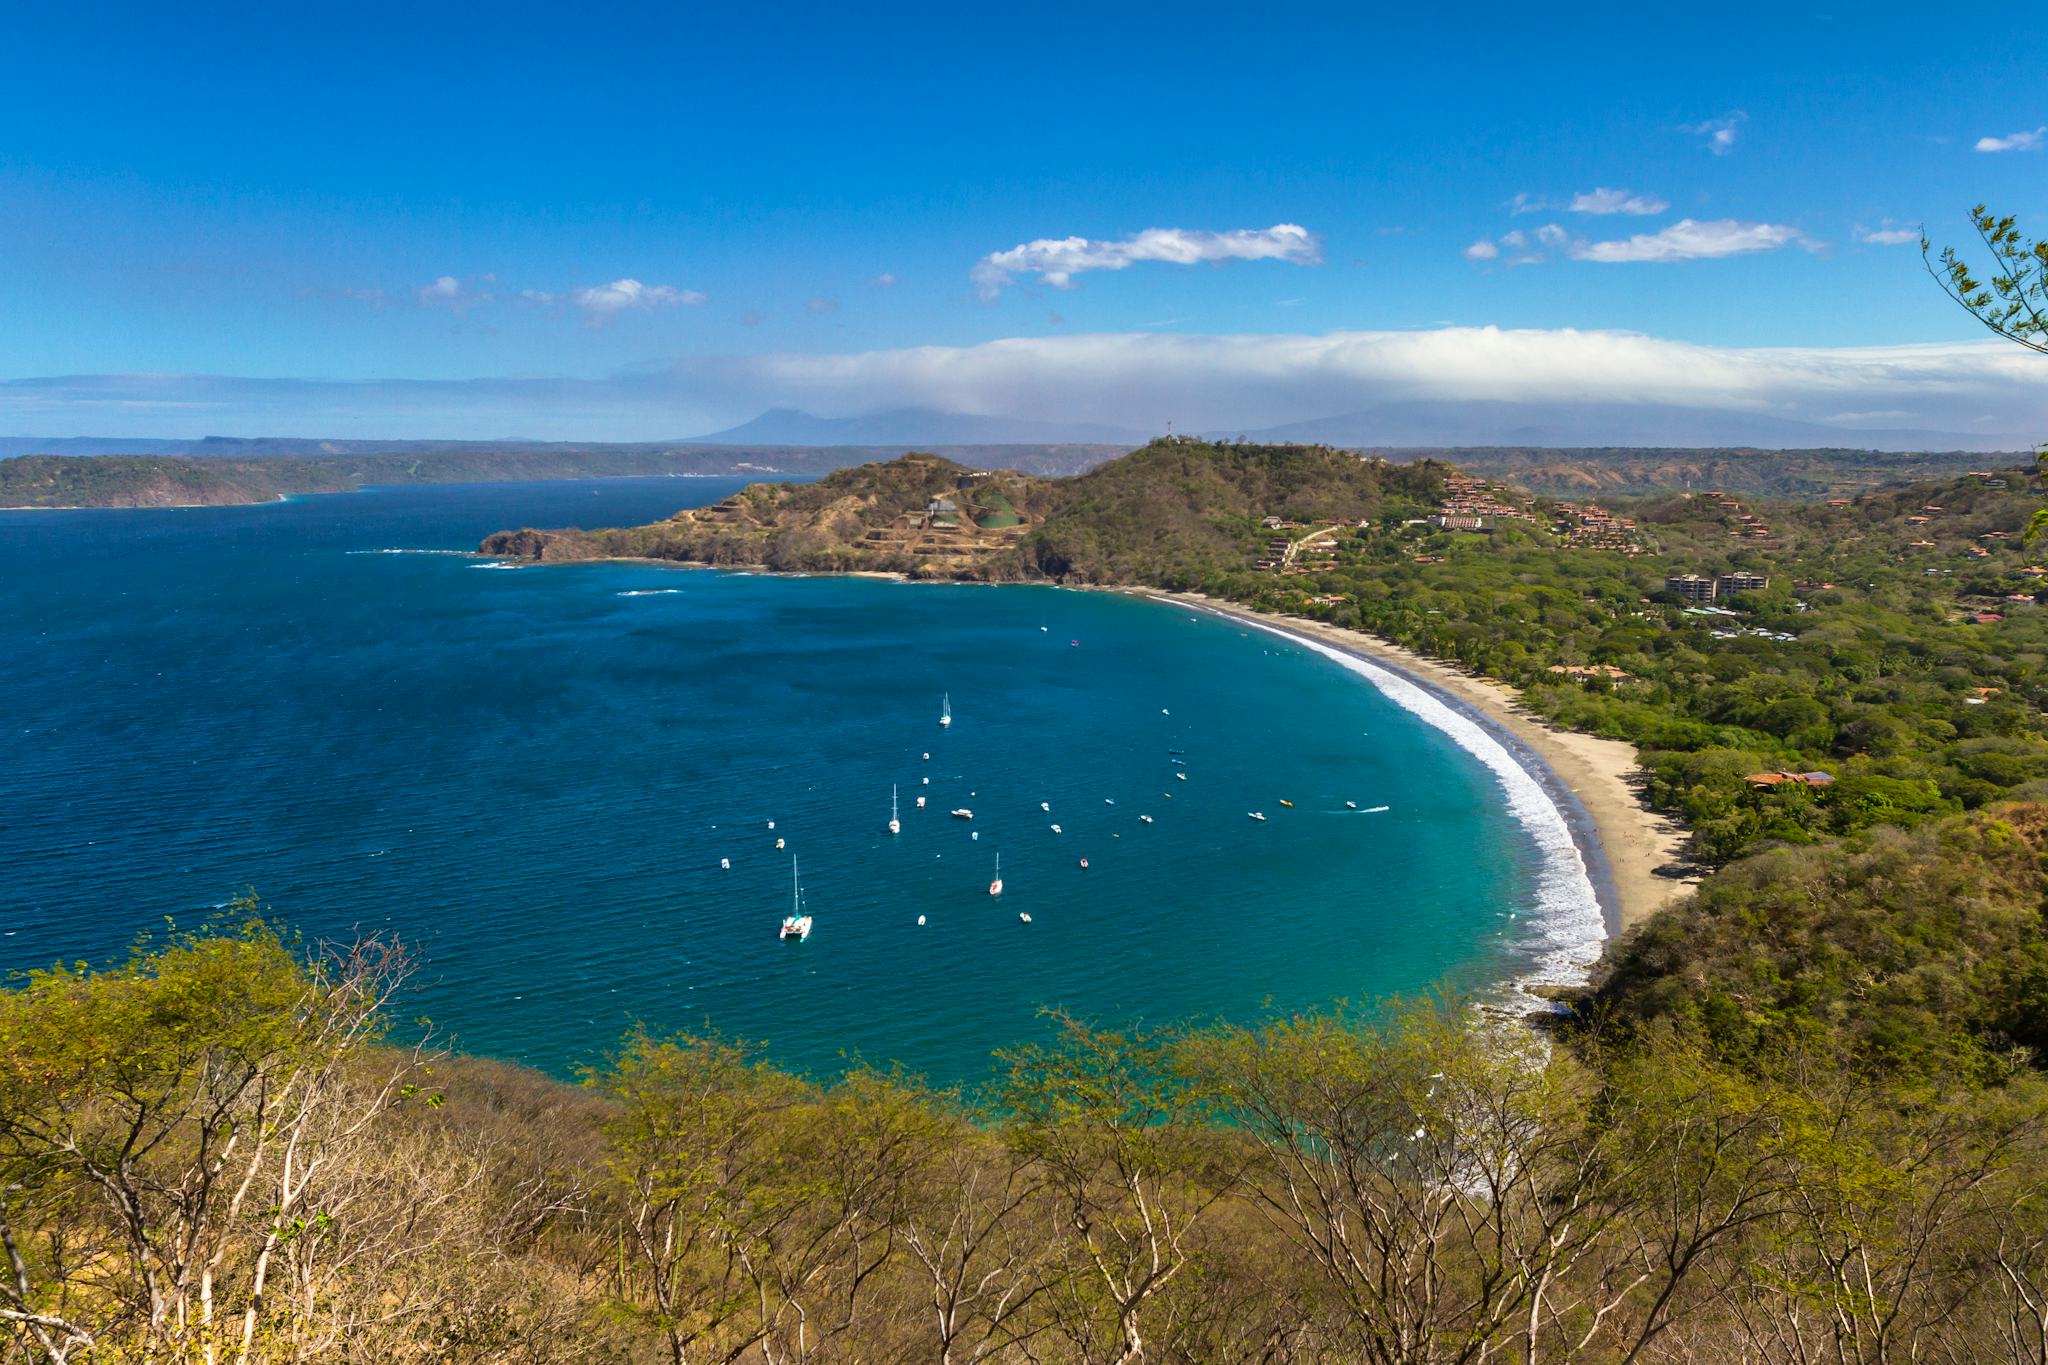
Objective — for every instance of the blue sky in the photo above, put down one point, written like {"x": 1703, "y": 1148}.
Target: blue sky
{"x": 800, "y": 200}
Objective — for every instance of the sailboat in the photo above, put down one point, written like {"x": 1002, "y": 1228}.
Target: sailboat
{"x": 796, "y": 924}
{"x": 895, "y": 825}
{"x": 945, "y": 710}
{"x": 995, "y": 888}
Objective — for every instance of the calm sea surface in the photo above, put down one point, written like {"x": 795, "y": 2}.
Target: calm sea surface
{"x": 533, "y": 774}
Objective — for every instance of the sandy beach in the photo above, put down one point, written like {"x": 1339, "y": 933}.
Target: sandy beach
{"x": 1634, "y": 841}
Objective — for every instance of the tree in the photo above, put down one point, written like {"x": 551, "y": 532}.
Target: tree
{"x": 167, "y": 1129}
{"x": 2014, "y": 301}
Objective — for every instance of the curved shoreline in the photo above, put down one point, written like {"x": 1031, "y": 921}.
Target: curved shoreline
{"x": 1622, "y": 842}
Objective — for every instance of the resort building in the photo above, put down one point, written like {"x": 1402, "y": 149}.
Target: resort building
{"x": 1691, "y": 586}
{"x": 1779, "y": 779}
{"x": 1740, "y": 582}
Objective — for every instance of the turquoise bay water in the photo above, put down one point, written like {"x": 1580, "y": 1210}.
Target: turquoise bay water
{"x": 532, "y": 775}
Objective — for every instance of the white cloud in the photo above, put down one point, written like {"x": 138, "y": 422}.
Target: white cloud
{"x": 1604, "y": 200}
{"x": 821, "y": 306}
{"x": 603, "y": 302}
{"x": 2016, "y": 142}
{"x": 1720, "y": 133}
{"x": 1481, "y": 250}
{"x": 449, "y": 292}
{"x": 1886, "y": 234}
{"x": 1596, "y": 201}
{"x": 1056, "y": 260}
{"x": 1209, "y": 382}
{"x": 885, "y": 280}
{"x": 1689, "y": 240}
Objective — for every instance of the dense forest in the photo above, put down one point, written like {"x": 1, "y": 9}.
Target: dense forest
{"x": 1800, "y": 1116}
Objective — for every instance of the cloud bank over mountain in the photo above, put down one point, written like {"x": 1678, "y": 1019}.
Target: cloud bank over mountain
{"x": 1987, "y": 391}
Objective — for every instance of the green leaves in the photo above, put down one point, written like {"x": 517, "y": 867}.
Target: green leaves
{"x": 2013, "y": 301}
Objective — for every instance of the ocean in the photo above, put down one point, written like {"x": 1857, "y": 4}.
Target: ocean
{"x": 532, "y": 775}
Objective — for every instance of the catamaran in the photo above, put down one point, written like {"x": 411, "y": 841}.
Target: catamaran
{"x": 963, "y": 814}
{"x": 995, "y": 888}
{"x": 895, "y": 825}
{"x": 945, "y": 710}
{"x": 796, "y": 924}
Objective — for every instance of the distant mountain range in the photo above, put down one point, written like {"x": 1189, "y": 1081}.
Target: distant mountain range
{"x": 1413, "y": 424}
{"x": 915, "y": 427}
{"x": 1639, "y": 426}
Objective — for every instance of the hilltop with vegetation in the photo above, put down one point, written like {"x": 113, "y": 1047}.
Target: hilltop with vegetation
{"x": 1617, "y": 472}
{"x": 153, "y": 481}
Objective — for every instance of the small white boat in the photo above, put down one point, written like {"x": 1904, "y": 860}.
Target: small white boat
{"x": 1057, "y": 830}
{"x": 920, "y": 803}
{"x": 963, "y": 814}
{"x": 725, "y": 864}
{"x": 771, "y": 824}
{"x": 1109, "y": 801}
{"x": 1146, "y": 819}
{"x": 895, "y": 825}
{"x": 1256, "y": 814}
{"x": 995, "y": 888}
{"x": 1024, "y": 918}
{"x": 920, "y": 919}
{"x": 1164, "y": 712}
{"x": 1182, "y": 776}
{"x": 1350, "y": 805}
{"x": 1084, "y": 864}
{"x": 925, "y": 782}
{"x": 778, "y": 844}
{"x": 927, "y": 758}
{"x": 945, "y": 710}
{"x": 976, "y": 836}
{"x": 1045, "y": 805}
{"x": 796, "y": 924}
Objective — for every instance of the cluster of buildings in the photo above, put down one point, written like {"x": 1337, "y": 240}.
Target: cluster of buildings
{"x": 1593, "y": 527}
{"x": 1696, "y": 587}
{"x": 1747, "y": 525}
{"x": 1292, "y": 558}
{"x": 1472, "y": 504}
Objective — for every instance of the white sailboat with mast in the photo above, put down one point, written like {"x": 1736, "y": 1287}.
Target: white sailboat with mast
{"x": 995, "y": 888}
{"x": 796, "y": 924}
{"x": 945, "y": 710}
{"x": 895, "y": 825}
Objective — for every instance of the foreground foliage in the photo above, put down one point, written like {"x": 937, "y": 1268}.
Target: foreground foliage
{"x": 213, "y": 1151}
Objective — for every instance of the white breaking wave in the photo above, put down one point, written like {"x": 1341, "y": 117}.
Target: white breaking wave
{"x": 464, "y": 553}
{"x": 1566, "y": 929}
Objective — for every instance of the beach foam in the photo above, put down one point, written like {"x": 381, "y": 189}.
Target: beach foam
{"x": 1566, "y": 931}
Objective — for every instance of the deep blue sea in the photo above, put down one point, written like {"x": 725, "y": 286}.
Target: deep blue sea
{"x": 533, "y": 774}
